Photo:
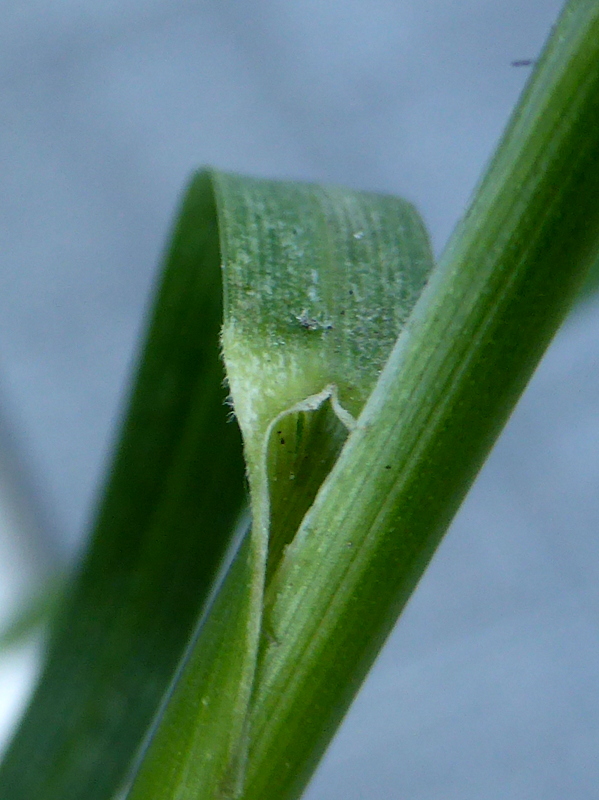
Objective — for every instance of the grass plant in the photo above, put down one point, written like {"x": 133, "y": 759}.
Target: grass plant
{"x": 199, "y": 655}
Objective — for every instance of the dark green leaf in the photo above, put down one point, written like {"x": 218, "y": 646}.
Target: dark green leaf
{"x": 173, "y": 496}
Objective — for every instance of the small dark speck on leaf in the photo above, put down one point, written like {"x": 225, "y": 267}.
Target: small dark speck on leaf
{"x": 311, "y": 324}
{"x": 282, "y": 441}
{"x": 388, "y": 466}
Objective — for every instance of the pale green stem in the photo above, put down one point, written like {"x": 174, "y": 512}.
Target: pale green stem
{"x": 505, "y": 282}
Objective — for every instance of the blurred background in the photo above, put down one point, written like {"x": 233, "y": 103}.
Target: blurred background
{"x": 489, "y": 686}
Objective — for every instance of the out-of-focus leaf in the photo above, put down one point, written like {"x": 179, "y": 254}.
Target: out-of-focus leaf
{"x": 35, "y": 613}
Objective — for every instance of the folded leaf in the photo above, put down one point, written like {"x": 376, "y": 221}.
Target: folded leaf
{"x": 318, "y": 282}
{"x": 317, "y": 285}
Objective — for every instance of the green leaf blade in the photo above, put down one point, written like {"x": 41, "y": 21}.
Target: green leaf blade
{"x": 198, "y": 746}
{"x": 506, "y": 280}
{"x": 172, "y": 499}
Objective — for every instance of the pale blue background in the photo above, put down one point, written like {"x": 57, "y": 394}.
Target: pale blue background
{"x": 489, "y": 687}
